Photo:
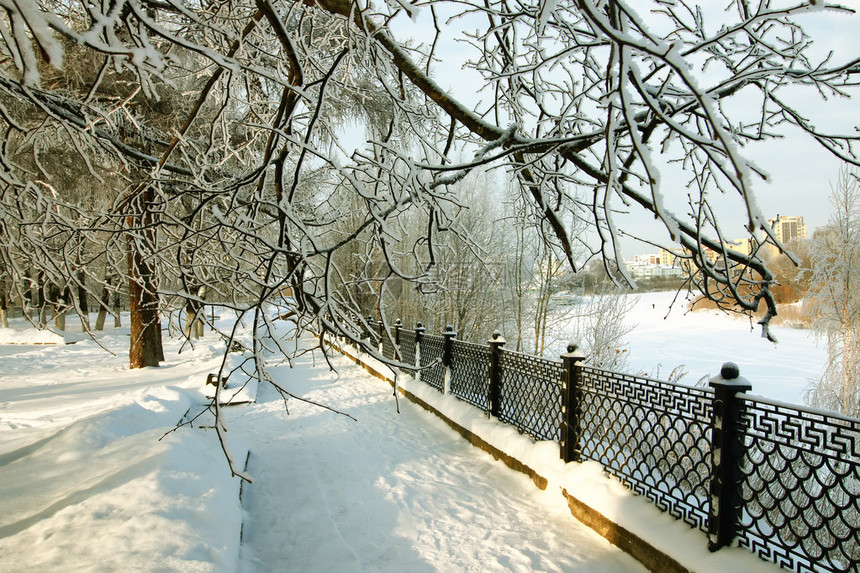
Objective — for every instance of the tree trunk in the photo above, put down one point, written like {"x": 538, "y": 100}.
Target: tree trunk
{"x": 542, "y": 311}
{"x": 100, "y": 318}
{"x": 60, "y": 300}
{"x": 27, "y": 294}
{"x": 519, "y": 288}
{"x": 848, "y": 367}
{"x": 191, "y": 323}
{"x": 41, "y": 301}
{"x": 145, "y": 348}
{"x": 117, "y": 308}
{"x": 190, "y": 320}
{"x": 194, "y": 312}
{"x": 198, "y": 315}
{"x": 83, "y": 303}
{"x": 52, "y": 307}
{"x": 104, "y": 300}
{"x": 60, "y": 321}
{"x": 4, "y": 304}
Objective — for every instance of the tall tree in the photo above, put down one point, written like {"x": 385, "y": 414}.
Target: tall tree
{"x": 833, "y": 301}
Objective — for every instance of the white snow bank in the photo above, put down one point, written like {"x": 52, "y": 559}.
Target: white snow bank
{"x": 92, "y": 476}
{"x": 105, "y": 493}
{"x": 29, "y": 336}
{"x": 701, "y": 341}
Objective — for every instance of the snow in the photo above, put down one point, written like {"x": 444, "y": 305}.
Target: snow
{"x": 29, "y": 336}
{"x": 88, "y": 483}
{"x": 393, "y": 492}
{"x": 701, "y": 341}
{"x": 95, "y": 478}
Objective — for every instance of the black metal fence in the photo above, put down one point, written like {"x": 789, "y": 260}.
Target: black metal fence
{"x": 652, "y": 435}
{"x": 799, "y": 486}
{"x": 780, "y": 480}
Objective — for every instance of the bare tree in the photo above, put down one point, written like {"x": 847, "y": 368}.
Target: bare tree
{"x": 538, "y": 274}
{"x": 600, "y": 324}
{"x": 833, "y": 302}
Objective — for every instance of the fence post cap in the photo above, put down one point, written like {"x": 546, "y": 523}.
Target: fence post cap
{"x": 449, "y": 330}
{"x": 730, "y": 371}
{"x": 730, "y": 375}
{"x": 419, "y": 326}
{"x": 497, "y": 338}
{"x": 398, "y": 322}
{"x": 573, "y": 352}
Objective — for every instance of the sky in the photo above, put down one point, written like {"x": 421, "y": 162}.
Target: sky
{"x": 800, "y": 171}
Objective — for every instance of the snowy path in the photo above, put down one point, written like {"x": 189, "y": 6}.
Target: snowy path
{"x": 391, "y": 492}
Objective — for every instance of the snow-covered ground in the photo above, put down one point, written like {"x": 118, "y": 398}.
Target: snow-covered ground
{"x": 383, "y": 491}
{"x": 702, "y": 341}
{"x": 92, "y": 478}
{"x": 87, "y": 483}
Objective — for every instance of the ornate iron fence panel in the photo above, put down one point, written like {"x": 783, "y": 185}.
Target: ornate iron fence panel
{"x": 470, "y": 372}
{"x": 800, "y": 486}
{"x": 530, "y": 394}
{"x": 654, "y": 436}
{"x": 431, "y": 353}
{"x": 407, "y": 349}
{"x": 388, "y": 349}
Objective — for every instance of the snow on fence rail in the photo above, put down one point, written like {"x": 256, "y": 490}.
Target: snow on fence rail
{"x": 782, "y": 481}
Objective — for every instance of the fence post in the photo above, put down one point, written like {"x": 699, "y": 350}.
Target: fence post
{"x": 727, "y": 453}
{"x": 382, "y": 334}
{"x": 398, "y": 324}
{"x": 569, "y": 444}
{"x": 370, "y": 334}
{"x": 494, "y": 391}
{"x": 448, "y": 356}
{"x": 419, "y": 334}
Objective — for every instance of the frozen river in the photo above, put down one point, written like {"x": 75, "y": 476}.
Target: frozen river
{"x": 702, "y": 341}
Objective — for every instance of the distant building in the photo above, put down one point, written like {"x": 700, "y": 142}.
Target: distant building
{"x": 786, "y": 229}
{"x": 712, "y": 255}
{"x": 652, "y": 266}
{"x": 638, "y": 269}
{"x": 743, "y": 246}
{"x": 647, "y": 259}
{"x": 667, "y": 258}
{"x": 662, "y": 271}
